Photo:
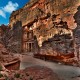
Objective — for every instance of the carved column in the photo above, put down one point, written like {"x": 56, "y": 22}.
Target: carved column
{"x": 31, "y": 46}
{"x": 28, "y": 47}
{"x": 79, "y": 53}
{"x": 24, "y": 46}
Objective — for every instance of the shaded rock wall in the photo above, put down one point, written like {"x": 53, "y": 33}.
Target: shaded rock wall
{"x": 3, "y": 29}
{"x": 12, "y": 38}
{"x": 58, "y": 45}
{"x": 77, "y": 33}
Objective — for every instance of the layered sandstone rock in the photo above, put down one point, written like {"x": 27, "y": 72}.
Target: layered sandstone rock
{"x": 35, "y": 9}
{"x": 77, "y": 33}
{"x": 51, "y": 22}
{"x": 8, "y": 61}
{"x": 43, "y": 15}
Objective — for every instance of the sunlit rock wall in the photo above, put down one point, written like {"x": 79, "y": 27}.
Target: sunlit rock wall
{"x": 47, "y": 18}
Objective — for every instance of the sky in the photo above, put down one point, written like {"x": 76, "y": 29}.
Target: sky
{"x": 7, "y": 7}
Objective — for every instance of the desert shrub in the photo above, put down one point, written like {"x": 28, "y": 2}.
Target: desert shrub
{"x": 30, "y": 78}
{"x": 6, "y": 78}
{"x": 0, "y": 68}
{"x": 1, "y": 75}
{"x": 17, "y": 75}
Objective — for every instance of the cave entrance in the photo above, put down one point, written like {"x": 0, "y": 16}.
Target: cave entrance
{"x": 28, "y": 47}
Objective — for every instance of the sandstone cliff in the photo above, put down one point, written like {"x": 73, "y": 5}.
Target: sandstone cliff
{"x": 51, "y": 21}
{"x": 46, "y": 15}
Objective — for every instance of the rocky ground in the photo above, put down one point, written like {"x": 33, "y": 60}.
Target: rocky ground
{"x": 33, "y": 73}
{"x": 36, "y": 69}
{"x": 30, "y": 73}
{"x": 64, "y": 72}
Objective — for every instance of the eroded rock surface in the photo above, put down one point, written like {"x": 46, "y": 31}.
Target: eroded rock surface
{"x": 47, "y": 17}
{"x": 50, "y": 21}
{"x": 12, "y": 37}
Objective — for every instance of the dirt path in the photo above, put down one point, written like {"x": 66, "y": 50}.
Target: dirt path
{"x": 65, "y": 72}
